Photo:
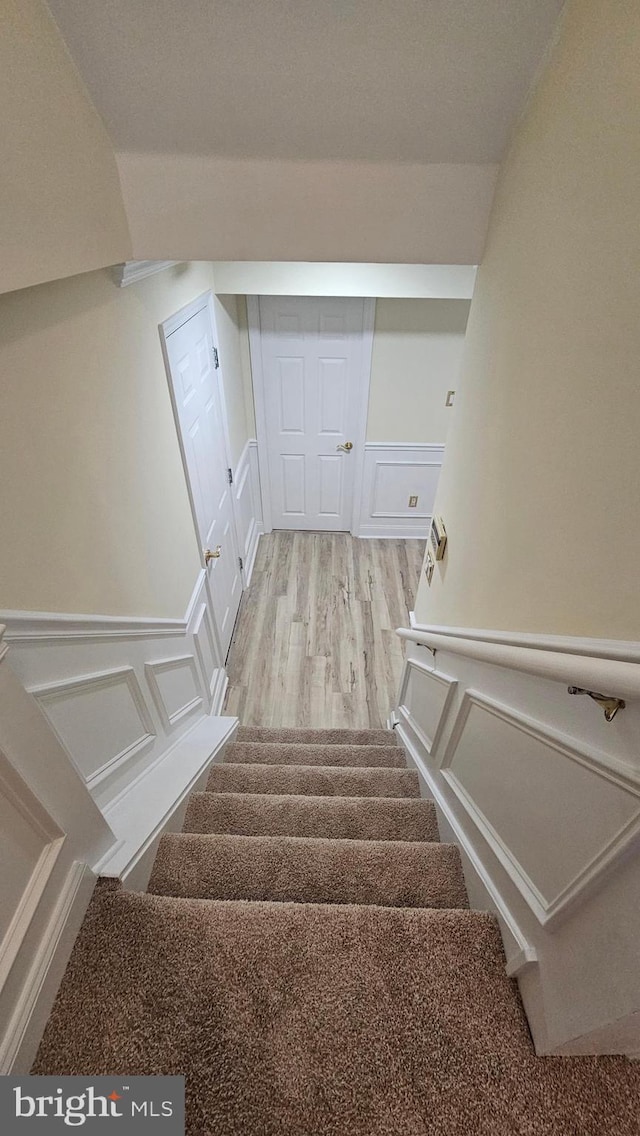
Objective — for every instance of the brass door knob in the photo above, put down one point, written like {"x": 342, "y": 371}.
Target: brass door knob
{"x": 348, "y": 446}
{"x": 209, "y": 555}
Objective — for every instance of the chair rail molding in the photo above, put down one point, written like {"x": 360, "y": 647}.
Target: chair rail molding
{"x": 392, "y": 473}
{"x": 543, "y": 797}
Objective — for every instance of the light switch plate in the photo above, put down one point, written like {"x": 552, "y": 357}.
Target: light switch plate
{"x": 413, "y": 502}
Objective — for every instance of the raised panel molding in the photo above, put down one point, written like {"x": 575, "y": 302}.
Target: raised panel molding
{"x": 26, "y": 893}
{"x": 205, "y": 646}
{"x": 108, "y": 729}
{"x": 431, "y": 706}
{"x": 549, "y": 901}
{"x": 543, "y": 798}
{"x": 521, "y": 953}
{"x": 169, "y": 681}
{"x": 25, "y": 1024}
{"x": 392, "y": 472}
{"x": 88, "y": 676}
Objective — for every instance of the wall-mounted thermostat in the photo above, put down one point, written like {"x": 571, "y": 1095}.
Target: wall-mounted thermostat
{"x": 438, "y": 538}
{"x": 429, "y": 566}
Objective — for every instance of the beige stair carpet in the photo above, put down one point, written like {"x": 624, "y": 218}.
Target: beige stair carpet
{"x": 274, "y": 753}
{"x": 314, "y": 780}
{"x": 302, "y": 1020}
{"x": 385, "y": 1011}
{"x": 346, "y": 818}
{"x": 289, "y": 734}
{"x": 307, "y": 870}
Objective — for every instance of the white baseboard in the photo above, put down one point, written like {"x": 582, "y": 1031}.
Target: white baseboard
{"x": 155, "y": 803}
{"x": 22, "y": 1034}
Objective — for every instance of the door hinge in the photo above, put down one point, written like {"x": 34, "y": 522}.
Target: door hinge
{"x": 230, "y": 476}
{"x": 241, "y": 563}
{"x": 216, "y": 361}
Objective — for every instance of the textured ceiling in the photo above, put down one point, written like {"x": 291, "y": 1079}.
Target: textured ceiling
{"x": 428, "y": 81}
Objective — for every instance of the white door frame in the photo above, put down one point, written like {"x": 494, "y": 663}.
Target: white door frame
{"x": 360, "y": 435}
{"x": 205, "y": 300}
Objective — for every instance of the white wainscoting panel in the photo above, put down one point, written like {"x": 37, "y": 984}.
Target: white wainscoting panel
{"x": 176, "y": 688}
{"x": 248, "y": 506}
{"x": 493, "y": 755}
{"x": 101, "y": 719}
{"x": 49, "y": 827}
{"x": 30, "y": 842}
{"x": 117, "y": 692}
{"x": 392, "y": 474}
{"x": 204, "y": 637}
{"x": 424, "y": 701}
{"x": 544, "y": 802}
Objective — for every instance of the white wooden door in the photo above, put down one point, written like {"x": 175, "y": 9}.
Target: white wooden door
{"x": 312, "y": 378}
{"x": 192, "y": 359}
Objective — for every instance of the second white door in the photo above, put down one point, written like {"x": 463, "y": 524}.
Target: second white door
{"x": 192, "y": 358}
{"x": 314, "y": 396}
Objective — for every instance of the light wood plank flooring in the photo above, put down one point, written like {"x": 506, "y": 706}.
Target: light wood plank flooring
{"x": 315, "y": 641}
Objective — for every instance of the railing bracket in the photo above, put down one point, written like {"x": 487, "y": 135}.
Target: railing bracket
{"x": 609, "y": 704}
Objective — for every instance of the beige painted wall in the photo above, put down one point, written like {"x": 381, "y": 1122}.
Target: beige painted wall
{"x": 94, "y": 511}
{"x": 539, "y": 490}
{"x": 417, "y": 351}
{"x": 61, "y": 208}
{"x": 300, "y": 278}
{"x": 186, "y": 205}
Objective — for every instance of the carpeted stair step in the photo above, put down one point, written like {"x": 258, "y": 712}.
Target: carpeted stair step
{"x": 315, "y": 781}
{"x": 325, "y": 1020}
{"x": 274, "y": 753}
{"x": 287, "y": 735}
{"x": 347, "y": 818}
{"x": 303, "y": 870}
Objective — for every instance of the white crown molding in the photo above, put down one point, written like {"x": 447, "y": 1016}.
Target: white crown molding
{"x": 134, "y": 270}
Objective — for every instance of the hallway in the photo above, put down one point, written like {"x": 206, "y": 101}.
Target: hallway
{"x": 315, "y": 642}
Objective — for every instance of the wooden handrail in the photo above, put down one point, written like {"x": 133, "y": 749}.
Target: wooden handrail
{"x": 590, "y": 672}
